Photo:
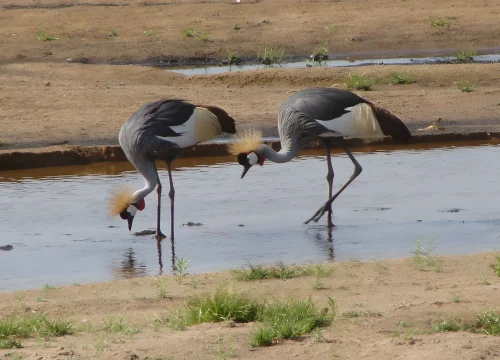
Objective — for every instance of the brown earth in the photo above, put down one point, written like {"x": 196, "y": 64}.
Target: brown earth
{"x": 386, "y": 310}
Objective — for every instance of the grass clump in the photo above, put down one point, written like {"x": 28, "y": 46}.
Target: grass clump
{"x": 280, "y": 271}
{"x": 10, "y": 344}
{"x": 487, "y": 323}
{"x": 423, "y": 259}
{"x": 271, "y": 55}
{"x": 113, "y": 33}
{"x": 496, "y": 267}
{"x": 148, "y": 32}
{"x": 233, "y": 58}
{"x": 320, "y": 54}
{"x": 189, "y": 33}
{"x": 41, "y": 35}
{"x": 221, "y": 305}
{"x": 398, "y": 79}
{"x": 465, "y": 56}
{"x": 439, "y": 22}
{"x": 35, "y": 325}
{"x": 180, "y": 269}
{"x": 288, "y": 319}
{"x": 359, "y": 82}
{"x": 465, "y": 87}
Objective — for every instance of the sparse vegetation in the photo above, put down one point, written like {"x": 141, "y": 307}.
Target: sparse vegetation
{"x": 320, "y": 53}
{"x": 43, "y": 36}
{"x": 487, "y": 323}
{"x": 113, "y": 33}
{"x": 233, "y": 58}
{"x": 359, "y": 82}
{"x": 465, "y": 55}
{"x": 465, "y": 87}
{"x": 496, "y": 267}
{"x": 399, "y": 79}
{"x": 439, "y": 22}
{"x": 161, "y": 292}
{"x": 332, "y": 28}
{"x": 236, "y": 27}
{"x": 179, "y": 269}
{"x": 422, "y": 257}
{"x": 288, "y": 319}
{"x": 10, "y": 344}
{"x": 280, "y": 271}
{"x": 148, "y": 32}
{"x": 189, "y": 32}
{"x": 271, "y": 55}
{"x": 14, "y": 327}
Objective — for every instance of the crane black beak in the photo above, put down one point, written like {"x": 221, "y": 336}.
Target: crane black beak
{"x": 130, "y": 219}
{"x": 246, "y": 167}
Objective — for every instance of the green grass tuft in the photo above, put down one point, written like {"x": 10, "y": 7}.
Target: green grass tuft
{"x": 10, "y": 344}
{"x": 496, "y": 267}
{"x": 423, "y": 259}
{"x": 280, "y": 271}
{"x": 34, "y": 325}
{"x": 465, "y": 56}
{"x": 289, "y": 319}
{"x": 488, "y": 323}
{"x": 465, "y": 87}
{"x": 41, "y": 35}
{"x": 359, "y": 82}
{"x": 320, "y": 53}
{"x": 271, "y": 55}
{"x": 113, "y": 33}
{"x": 398, "y": 79}
{"x": 439, "y": 22}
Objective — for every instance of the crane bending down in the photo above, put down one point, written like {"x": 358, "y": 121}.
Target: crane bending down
{"x": 158, "y": 131}
{"x": 320, "y": 113}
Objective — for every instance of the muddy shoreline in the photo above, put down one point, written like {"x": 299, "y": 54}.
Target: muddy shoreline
{"x": 81, "y": 155}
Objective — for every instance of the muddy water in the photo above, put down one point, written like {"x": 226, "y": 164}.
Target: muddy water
{"x": 56, "y": 223}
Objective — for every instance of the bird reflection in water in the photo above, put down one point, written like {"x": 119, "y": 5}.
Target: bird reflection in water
{"x": 130, "y": 267}
{"x": 324, "y": 238}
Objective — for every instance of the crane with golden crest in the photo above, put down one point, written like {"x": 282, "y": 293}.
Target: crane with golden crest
{"x": 326, "y": 114}
{"x": 159, "y": 130}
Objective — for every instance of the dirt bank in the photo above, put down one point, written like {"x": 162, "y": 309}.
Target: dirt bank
{"x": 386, "y": 310}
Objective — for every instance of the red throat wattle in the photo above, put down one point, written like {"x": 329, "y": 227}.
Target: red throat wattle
{"x": 261, "y": 160}
{"x": 140, "y": 205}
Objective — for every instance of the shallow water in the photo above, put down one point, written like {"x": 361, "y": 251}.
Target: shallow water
{"x": 210, "y": 70}
{"x": 55, "y": 218}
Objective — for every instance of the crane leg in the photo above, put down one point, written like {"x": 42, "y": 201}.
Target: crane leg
{"x": 159, "y": 235}
{"x": 357, "y": 170}
{"x": 329, "y": 178}
{"x": 171, "y": 195}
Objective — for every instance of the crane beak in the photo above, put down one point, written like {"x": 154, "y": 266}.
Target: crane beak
{"x": 246, "y": 167}
{"x": 130, "y": 219}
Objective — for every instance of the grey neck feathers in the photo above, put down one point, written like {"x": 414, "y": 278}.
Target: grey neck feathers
{"x": 148, "y": 170}
{"x": 285, "y": 154}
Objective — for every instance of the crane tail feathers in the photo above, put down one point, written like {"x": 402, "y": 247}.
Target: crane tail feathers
{"x": 391, "y": 125}
{"x": 119, "y": 200}
{"x": 245, "y": 141}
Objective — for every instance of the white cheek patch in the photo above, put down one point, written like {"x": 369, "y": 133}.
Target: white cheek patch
{"x": 252, "y": 158}
{"x": 132, "y": 210}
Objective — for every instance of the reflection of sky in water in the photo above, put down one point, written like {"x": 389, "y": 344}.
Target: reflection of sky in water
{"x": 61, "y": 233}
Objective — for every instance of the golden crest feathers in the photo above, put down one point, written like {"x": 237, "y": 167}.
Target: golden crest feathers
{"x": 119, "y": 200}
{"x": 245, "y": 141}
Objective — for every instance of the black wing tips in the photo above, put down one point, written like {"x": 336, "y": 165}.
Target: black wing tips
{"x": 228, "y": 125}
{"x": 391, "y": 125}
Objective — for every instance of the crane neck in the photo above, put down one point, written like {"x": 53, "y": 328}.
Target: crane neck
{"x": 150, "y": 174}
{"x": 285, "y": 154}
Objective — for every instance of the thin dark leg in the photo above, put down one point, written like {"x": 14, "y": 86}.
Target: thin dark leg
{"x": 159, "y": 235}
{"x": 329, "y": 178}
{"x": 171, "y": 195}
{"x": 160, "y": 262}
{"x": 357, "y": 170}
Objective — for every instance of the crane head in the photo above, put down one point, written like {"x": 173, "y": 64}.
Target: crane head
{"x": 129, "y": 213}
{"x": 122, "y": 203}
{"x": 249, "y": 160}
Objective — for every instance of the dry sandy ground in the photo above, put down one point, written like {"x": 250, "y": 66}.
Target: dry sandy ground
{"x": 397, "y": 303}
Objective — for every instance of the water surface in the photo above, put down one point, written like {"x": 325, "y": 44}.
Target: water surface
{"x": 56, "y": 221}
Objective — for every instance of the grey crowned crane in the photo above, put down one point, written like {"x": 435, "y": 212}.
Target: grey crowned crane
{"x": 158, "y": 131}
{"x": 320, "y": 113}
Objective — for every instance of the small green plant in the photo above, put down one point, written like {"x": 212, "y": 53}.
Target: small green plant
{"x": 320, "y": 54}
{"x": 318, "y": 284}
{"x": 161, "y": 292}
{"x": 41, "y": 35}
{"x": 359, "y": 82}
{"x": 456, "y": 298}
{"x": 439, "y": 22}
{"x": 351, "y": 314}
{"x": 448, "y": 326}
{"x": 423, "y": 259}
{"x": 236, "y": 27}
{"x": 271, "y": 55}
{"x": 189, "y": 33}
{"x": 117, "y": 324}
{"x": 233, "y": 58}
{"x": 113, "y": 32}
{"x": 288, "y": 319}
{"x": 398, "y": 79}
{"x": 203, "y": 37}
{"x": 488, "y": 323}
{"x": 179, "y": 269}
{"x": 34, "y": 325}
{"x": 10, "y": 344}
{"x": 280, "y": 271}
{"x": 496, "y": 267}
{"x": 220, "y": 305}
{"x": 465, "y": 87}
{"x": 148, "y": 32}
{"x": 465, "y": 55}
